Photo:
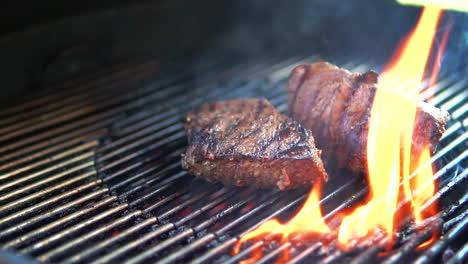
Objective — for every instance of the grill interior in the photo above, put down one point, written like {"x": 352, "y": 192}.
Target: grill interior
{"x": 90, "y": 171}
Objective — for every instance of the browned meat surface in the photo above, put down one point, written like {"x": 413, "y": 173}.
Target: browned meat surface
{"x": 248, "y": 142}
{"x": 335, "y": 104}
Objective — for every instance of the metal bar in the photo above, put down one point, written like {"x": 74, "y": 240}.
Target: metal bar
{"x": 244, "y": 253}
{"x": 60, "y": 251}
{"x": 58, "y": 95}
{"x": 165, "y": 200}
{"x": 95, "y": 249}
{"x": 368, "y": 255}
{"x": 45, "y": 112}
{"x": 47, "y": 215}
{"x": 173, "y": 156}
{"x": 274, "y": 253}
{"x": 409, "y": 247}
{"x": 216, "y": 251}
{"x": 28, "y": 128}
{"x": 62, "y": 146}
{"x": 54, "y": 158}
{"x": 187, "y": 249}
{"x": 453, "y": 102}
{"x": 158, "y": 144}
{"x": 93, "y": 122}
{"x": 304, "y": 254}
{"x": 158, "y": 188}
{"x": 143, "y": 257}
{"x": 120, "y": 252}
{"x": 31, "y": 197}
{"x": 182, "y": 205}
{"x": 56, "y": 224}
{"x": 158, "y": 179}
{"x": 445, "y": 95}
{"x": 443, "y": 242}
{"x": 428, "y": 93}
{"x": 93, "y": 131}
{"x": 223, "y": 197}
{"x": 451, "y": 130}
{"x": 53, "y": 178}
{"x": 138, "y": 134}
{"x": 68, "y": 106}
{"x": 250, "y": 213}
{"x": 461, "y": 256}
{"x": 450, "y": 223}
{"x": 49, "y": 202}
{"x": 334, "y": 257}
{"x": 445, "y": 189}
{"x": 50, "y": 241}
{"x": 230, "y": 209}
{"x": 144, "y": 121}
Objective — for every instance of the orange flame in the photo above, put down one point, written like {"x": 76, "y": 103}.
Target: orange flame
{"x": 389, "y": 154}
{"x": 395, "y": 173}
{"x": 300, "y": 224}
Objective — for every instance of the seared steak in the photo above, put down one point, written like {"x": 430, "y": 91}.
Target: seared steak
{"x": 335, "y": 104}
{"x": 248, "y": 142}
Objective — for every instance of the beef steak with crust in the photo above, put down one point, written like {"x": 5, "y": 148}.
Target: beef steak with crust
{"x": 336, "y": 104}
{"x": 247, "y": 142}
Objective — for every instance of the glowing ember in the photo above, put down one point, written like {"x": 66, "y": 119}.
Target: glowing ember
{"x": 396, "y": 174}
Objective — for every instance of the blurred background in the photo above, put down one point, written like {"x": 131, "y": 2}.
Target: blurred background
{"x": 45, "y": 42}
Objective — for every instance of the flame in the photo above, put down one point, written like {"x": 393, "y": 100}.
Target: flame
{"x": 396, "y": 174}
{"x": 307, "y": 221}
{"x": 389, "y": 154}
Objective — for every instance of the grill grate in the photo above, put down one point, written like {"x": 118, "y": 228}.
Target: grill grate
{"x": 91, "y": 173}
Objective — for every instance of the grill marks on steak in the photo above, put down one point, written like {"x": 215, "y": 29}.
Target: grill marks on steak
{"x": 335, "y": 104}
{"x": 248, "y": 142}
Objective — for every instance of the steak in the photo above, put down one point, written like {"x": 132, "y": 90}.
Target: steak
{"x": 247, "y": 142}
{"x": 335, "y": 104}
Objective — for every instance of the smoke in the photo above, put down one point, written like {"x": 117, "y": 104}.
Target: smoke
{"x": 332, "y": 28}
{"x": 455, "y": 56}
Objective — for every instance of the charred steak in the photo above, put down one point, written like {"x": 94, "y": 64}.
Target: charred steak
{"x": 247, "y": 142}
{"x": 335, "y": 104}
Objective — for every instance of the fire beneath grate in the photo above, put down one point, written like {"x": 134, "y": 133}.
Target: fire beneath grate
{"x": 91, "y": 173}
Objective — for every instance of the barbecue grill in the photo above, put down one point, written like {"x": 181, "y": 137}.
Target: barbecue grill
{"x": 90, "y": 170}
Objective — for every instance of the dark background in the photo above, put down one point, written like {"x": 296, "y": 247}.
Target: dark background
{"x": 36, "y": 36}
{"x": 20, "y": 14}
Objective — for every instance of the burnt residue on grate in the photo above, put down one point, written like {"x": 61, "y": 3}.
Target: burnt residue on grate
{"x": 91, "y": 173}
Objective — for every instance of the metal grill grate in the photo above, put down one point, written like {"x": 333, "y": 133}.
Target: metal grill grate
{"x": 91, "y": 173}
